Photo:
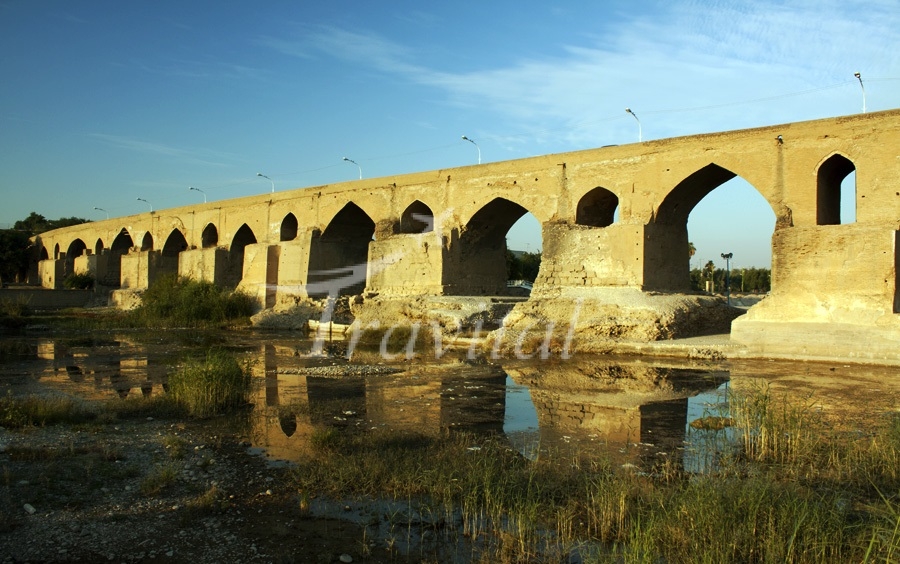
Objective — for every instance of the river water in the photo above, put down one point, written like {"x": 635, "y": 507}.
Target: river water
{"x": 637, "y": 410}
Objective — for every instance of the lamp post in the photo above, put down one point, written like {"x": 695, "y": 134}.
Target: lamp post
{"x": 267, "y": 178}
{"x": 198, "y": 190}
{"x": 640, "y": 133}
{"x": 727, "y": 257}
{"x": 357, "y": 166}
{"x": 859, "y": 78}
{"x": 103, "y": 210}
{"x": 476, "y": 146}
{"x": 146, "y": 202}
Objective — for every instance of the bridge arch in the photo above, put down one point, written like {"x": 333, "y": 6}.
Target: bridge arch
{"x": 175, "y": 244}
{"x": 597, "y": 208}
{"x": 210, "y": 236}
{"x": 478, "y": 261}
{"x": 98, "y": 246}
{"x": 338, "y": 255}
{"x": 75, "y": 250}
{"x": 289, "y": 226}
{"x": 235, "y": 271}
{"x": 830, "y": 174}
{"x": 147, "y": 242}
{"x": 416, "y": 218}
{"x": 120, "y": 246}
{"x": 56, "y": 252}
{"x": 44, "y": 254}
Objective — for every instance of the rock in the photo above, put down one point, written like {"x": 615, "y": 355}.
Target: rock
{"x": 346, "y": 558}
{"x": 28, "y": 508}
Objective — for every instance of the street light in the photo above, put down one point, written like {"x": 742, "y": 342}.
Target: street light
{"x": 267, "y": 178}
{"x": 640, "y": 133}
{"x": 357, "y": 166}
{"x": 146, "y": 202}
{"x": 198, "y": 190}
{"x": 859, "y": 78}
{"x": 103, "y": 210}
{"x": 476, "y": 146}
{"x": 727, "y": 257}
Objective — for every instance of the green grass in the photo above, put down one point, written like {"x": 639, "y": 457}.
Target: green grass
{"x": 210, "y": 385}
{"x": 179, "y": 302}
{"x": 26, "y": 411}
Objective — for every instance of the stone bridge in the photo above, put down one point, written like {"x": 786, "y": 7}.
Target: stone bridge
{"x": 614, "y": 223}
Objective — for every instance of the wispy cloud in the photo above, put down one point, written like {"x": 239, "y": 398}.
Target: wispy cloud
{"x": 187, "y": 155}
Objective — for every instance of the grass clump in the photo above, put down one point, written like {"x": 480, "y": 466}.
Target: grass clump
{"x": 25, "y": 411}
{"x": 180, "y": 302}
{"x": 158, "y": 479}
{"x": 82, "y": 281}
{"x": 211, "y": 385}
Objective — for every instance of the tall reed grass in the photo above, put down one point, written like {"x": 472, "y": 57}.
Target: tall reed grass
{"x": 797, "y": 488}
{"x": 210, "y": 385}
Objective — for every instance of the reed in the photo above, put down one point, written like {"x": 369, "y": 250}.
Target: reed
{"x": 210, "y": 385}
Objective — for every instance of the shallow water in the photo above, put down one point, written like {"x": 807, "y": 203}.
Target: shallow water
{"x": 636, "y": 410}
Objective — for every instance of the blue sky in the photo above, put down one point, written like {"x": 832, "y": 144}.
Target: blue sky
{"x": 104, "y": 102}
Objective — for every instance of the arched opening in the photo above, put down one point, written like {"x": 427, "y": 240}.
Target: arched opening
{"x": 235, "y": 270}
{"x": 832, "y": 190}
{"x": 174, "y": 245}
{"x": 338, "y": 257}
{"x": 479, "y": 263}
{"x": 75, "y": 250}
{"x": 147, "y": 242}
{"x": 44, "y": 254}
{"x": 288, "y": 228}
{"x": 597, "y": 208}
{"x": 56, "y": 252}
{"x": 711, "y": 213}
{"x": 417, "y": 218}
{"x": 98, "y": 247}
{"x": 210, "y": 236}
{"x": 120, "y": 246}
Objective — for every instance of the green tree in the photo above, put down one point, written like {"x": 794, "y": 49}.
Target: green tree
{"x": 15, "y": 250}
{"x": 36, "y": 224}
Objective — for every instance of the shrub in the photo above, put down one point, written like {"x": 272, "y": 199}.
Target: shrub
{"x": 84, "y": 281}
{"x": 190, "y": 303}
{"x": 211, "y": 385}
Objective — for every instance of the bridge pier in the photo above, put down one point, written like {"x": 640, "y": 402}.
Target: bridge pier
{"x": 834, "y": 293}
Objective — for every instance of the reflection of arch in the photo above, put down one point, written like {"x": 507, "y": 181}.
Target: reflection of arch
{"x": 417, "y": 218}
{"x": 481, "y": 255}
{"x": 828, "y": 188}
{"x": 337, "y": 257}
{"x": 175, "y": 243}
{"x": 147, "y": 242}
{"x": 288, "y": 228}
{"x": 597, "y": 208}
{"x": 242, "y": 238}
{"x": 98, "y": 246}
{"x": 288, "y": 423}
{"x": 210, "y": 236}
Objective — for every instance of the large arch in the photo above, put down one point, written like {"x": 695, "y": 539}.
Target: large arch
{"x": 235, "y": 272}
{"x": 597, "y": 208}
{"x": 289, "y": 228}
{"x": 147, "y": 242}
{"x": 120, "y": 246}
{"x": 175, "y": 243}
{"x": 338, "y": 256}
{"x": 477, "y": 262}
{"x": 829, "y": 176}
{"x": 210, "y": 236}
{"x": 416, "y": 218}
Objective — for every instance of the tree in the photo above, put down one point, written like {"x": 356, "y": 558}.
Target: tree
{"x": 36, "y": 224}
{"x": 15, "y": 250}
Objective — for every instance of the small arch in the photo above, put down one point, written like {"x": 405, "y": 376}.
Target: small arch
{"x": 75, "y": 250}
{"x": 210, "y": 236}
{"x": 417, "y": 218}
{"x": 597, "y": 208}
{"x": 175, "y": 243}
{"x": 235, "y": 271}
{"x": 120, "y": 246}
{"x": 829, "y": 177}
{"x": 44, "y": 254}
{"x": 288, "y": 228}
{"x": 147, "y": 242}
{"x": 98, "y": 247}
{"x": 122, "y": 243}
{"x": 56, "y": 252}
